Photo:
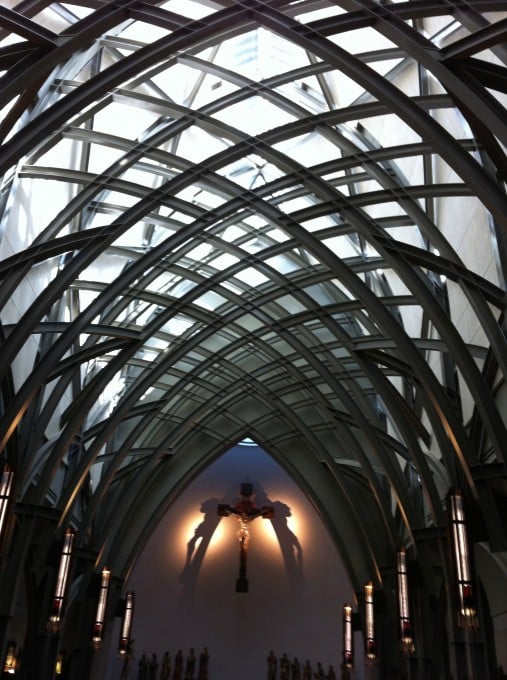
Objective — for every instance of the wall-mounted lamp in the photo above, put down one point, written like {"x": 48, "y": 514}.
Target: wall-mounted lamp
{"x": 407, "y": 640}
{"x": 59, "y": 665}
{"x": 10, "y": 658}
{"x": 55, "y": 615}
{"x": 98, "y": 626}
{"x": 126, "y": 624}
{"x": 371, "y": 645}
{"x": 467, "y": 614}
{"x": 348, "y": 641}
{"x": 5, "y": 494}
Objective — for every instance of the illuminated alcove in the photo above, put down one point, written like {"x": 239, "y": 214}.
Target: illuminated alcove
{"x": 185, "y": 579}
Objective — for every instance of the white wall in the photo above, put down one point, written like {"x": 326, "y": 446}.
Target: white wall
{"x": 289, "y": 608}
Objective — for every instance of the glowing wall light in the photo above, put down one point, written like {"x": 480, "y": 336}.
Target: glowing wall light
{"x": 371, "y": 645}
{"x": 348, "y": 651}
{"x": 59, "y": 666}
{"x": 5, "y": 494}
{"x": 10, "y": 658}
{"x": 467, "y": 615}
{"x": 55, "y": 615}
{"x": 407, "y": 640}
{"x": 98, "y": 626}
{"x": 126, "y": 624}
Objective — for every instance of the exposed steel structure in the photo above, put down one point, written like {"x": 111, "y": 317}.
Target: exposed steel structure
{"x": 255, "y": 218}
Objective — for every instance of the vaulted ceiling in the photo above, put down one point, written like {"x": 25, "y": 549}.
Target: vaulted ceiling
{"x": 282, "y": 221}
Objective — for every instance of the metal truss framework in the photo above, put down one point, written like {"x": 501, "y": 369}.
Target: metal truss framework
{"x": 251, "y": 234}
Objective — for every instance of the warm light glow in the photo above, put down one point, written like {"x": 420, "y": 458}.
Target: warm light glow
{"x": 467, "y": 615}
{"x": 126, "y": 625}
{"x": 294, "y": 523}
{"x": 61, "y": 581}
{"x": 189, "y": 525}
{"x": 10, "y": 658}
{"x": 407, "y": 642}
{"x": 98, "y": 627}
{"x": 348, "y": 653}
{"x": 218, "y": 537}
{"x": 5, "y": 492}
{"x": 371, "y": 650}
{"x": 266, "y": 533}
{"x": 59, "y": 665}
{"x": 189, "y": 531}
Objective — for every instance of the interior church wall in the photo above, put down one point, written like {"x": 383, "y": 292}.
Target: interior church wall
{"x": 184, "y": 581}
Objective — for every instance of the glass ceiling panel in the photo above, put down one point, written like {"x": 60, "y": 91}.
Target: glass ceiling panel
{"x": 283, "y": 264}
{"x": 260, "y": 54}
{"x": 308, "y": 149}
{"x": 188, "y": 8}
{"x": 277, "y": 204}
{"x": 343, "y": 246}
{"x": 251, "y": 276}
{"x": 210, "y": 300}
{"x": 255, "y": 114}
{"x": 251, "y": 171}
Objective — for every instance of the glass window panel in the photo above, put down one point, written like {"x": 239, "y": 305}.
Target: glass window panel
{"x": 233, "y": 233}
{"x": 233, "y": 287}
{"x": 215, "y": 343}
{"x": 256, "y": 244}
{"x": 309, "y": 149}
{"x": 188, "y": 8}
{"x": 197, "y": 145}
{"x": 290, "y": 304}
{"x": 261, "y": 54}
{"x": 321, "y": 294}
{"x": 177, "y": 326}
{"x": 249, "y": 322}
{"x": 201, "y": 252}
{"x": 210, "y": 300}
{"x": 342, "y": 246}
{"x": 283, "y": 264}
{"x": 278, "y": 235}
{"x": 298, "y": 203}
{"x": 323, "y": 222}
{"x": 251, "y": 276}
{"x": 254, "y": 115}
{"x": 224, "y": 261}
{"x": 182, "y": 287}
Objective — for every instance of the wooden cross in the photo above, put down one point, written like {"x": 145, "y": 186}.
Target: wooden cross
{"x": 245, "y": 511}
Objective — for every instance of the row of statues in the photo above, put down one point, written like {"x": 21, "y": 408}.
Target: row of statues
{"x": 181, "y": 667}
{"x": 284, "y": 669}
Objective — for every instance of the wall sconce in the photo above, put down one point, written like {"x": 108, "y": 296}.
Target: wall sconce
{"x": 98, "y": 626}
{"x": 5, "y": 494}
{"x": 407, "y": 640}
{"x": 467, "y": 615}
{"x": 59, "y": 666}
{"x": 55, "y": 615}
{"x": 10, "y": 658}
{"x": 371, "y": 645}
{"x": 126, "y": 624}
{"x": 348, "y": 651}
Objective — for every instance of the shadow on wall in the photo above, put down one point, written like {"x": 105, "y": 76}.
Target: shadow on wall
{"x": 185, "y": 580}
{"x": 288, "y": 542}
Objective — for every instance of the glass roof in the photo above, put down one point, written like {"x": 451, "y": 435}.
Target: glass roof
{"x": 275, "y": 221}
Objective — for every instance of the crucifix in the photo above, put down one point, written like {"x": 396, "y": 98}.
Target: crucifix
{"x": 245, "y": 511}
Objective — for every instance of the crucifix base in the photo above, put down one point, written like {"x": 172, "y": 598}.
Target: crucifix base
{"x": 242, "y": 585}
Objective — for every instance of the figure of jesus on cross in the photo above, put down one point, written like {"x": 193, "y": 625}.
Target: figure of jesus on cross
{"x": 245, "y": 511}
